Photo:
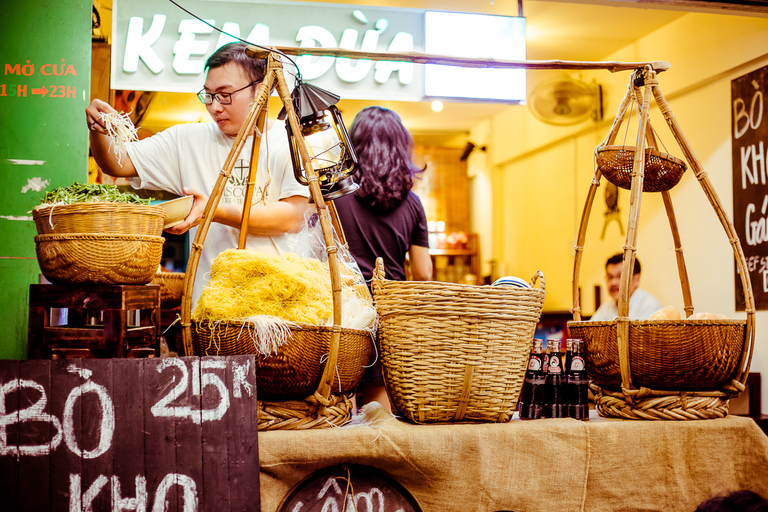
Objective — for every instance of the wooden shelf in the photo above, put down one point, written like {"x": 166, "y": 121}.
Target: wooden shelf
{"x": 460, "y": 262}
{"x": 452, "y": 252}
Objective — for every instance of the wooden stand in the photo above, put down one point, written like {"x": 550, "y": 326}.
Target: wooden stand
{"x": 97, "y": 321}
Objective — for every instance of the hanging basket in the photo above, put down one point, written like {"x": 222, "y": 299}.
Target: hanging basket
{"x": 664, "y": 354}
{"x": 661, "y": 171}
{"x": 294, "y": 372}
{"x": 663, "y": 369}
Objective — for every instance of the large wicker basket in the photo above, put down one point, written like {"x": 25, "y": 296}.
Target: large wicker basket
{"x": 96, "y": 258}
{"x": 663, "y": 369}
{"x": 295, "y": 370}
{"x": 454, "y": 352}
{"x": 665, "y": 354}
{"x": 99, "y": 217}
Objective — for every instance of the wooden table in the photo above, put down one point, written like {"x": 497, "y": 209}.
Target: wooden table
{"x": 543, "y": 465}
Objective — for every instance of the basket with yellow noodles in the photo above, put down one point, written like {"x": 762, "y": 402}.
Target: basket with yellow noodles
{"x": 664, "y": 367}
{"x": 455, "y": 352}
{"x": 278, "y": 307}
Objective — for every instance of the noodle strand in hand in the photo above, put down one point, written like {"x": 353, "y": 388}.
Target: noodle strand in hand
{"x": 120, "y": 130}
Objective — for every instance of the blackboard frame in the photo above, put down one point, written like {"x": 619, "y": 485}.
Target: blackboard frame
{"x": 749, "y": 143}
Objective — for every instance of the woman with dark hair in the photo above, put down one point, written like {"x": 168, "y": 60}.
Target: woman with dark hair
{"x": 383, "y": 218}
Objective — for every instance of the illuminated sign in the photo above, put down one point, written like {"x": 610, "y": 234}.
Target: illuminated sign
{"x": 160, "y": 47}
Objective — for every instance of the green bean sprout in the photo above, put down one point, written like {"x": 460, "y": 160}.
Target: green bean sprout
{"x": 90, "y": 192}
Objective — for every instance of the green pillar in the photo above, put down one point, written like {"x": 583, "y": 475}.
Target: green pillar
{"x": 45, "y": 59}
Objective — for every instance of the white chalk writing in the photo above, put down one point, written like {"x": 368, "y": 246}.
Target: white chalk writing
{"x": 28, "y": 414}
{"x": 83, "y": 502}
{"x": 163, "y": 407}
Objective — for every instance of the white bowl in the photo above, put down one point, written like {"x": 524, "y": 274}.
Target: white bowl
{"x": 176, "y": 210}
{"x": 516, "y": 282}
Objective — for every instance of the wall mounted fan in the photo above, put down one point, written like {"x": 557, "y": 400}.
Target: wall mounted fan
{"x": 565, "y": 101}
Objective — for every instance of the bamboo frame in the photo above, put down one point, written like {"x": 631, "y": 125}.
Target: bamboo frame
{"x": 629, "y": 394}
{"x": 273, "y": 78}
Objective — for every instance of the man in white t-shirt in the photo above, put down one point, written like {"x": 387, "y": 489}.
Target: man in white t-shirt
{"x": 187, "y": 160}
{"x": 641, "y": 303}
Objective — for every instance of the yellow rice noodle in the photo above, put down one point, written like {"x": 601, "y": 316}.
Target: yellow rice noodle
{"x": 245, "y": 283}
{"x": 268, "y": 295}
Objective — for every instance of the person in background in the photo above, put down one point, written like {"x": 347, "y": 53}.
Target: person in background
{"x": 187, "y": 160}
{"x": 641, "y": 303}
{"x": 384, "y": 218}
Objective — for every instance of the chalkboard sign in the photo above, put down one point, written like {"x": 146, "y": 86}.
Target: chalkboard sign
{"x": 349, "y": 487}
{"x": 749, "y": 143}
{"x": 129, "y": 434}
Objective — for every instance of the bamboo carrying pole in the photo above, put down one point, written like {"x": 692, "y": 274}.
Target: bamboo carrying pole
{"x": 472, "y": 62}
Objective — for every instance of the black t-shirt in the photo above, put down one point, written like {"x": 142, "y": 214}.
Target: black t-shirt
{"x": 371, "y": 235}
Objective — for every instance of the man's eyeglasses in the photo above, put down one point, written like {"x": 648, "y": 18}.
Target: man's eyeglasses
{"x": 224, "y": 98}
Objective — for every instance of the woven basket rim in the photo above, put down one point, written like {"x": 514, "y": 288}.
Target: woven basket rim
{"x": 652, "y": 151}
{"x": 98, "y": 236}
{"x": 297, "y": 326}
{"x": 91, "y": 205}
{"x": 682, "y": 321}
{"x": 444, "y": 285}
{"x": 170, "y": 275}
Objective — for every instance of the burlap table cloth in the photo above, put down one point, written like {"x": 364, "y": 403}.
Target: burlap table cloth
{"x": 544, "y": 465}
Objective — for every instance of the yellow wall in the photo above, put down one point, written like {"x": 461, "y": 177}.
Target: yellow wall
{"x": 540, "y": 176}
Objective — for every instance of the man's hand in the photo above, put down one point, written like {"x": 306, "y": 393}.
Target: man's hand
{"x": 195, "y": 214}
{"x": 100, "y": 143}
{"x": 93, "y": 115}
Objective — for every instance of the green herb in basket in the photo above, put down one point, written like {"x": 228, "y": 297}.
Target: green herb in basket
{"x": 90, "y": 192}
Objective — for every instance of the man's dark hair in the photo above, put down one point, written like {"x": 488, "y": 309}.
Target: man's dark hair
{"x": 737, "y": 501}
{"x": 619, "y": 258}
{"x": 235, "y": 52}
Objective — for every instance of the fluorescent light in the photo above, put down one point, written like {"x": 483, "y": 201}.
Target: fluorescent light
{"x": 479, "y": 36}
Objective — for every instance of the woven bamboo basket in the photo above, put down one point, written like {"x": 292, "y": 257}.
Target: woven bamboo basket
{"x": 295, "y": 370}
{"x": 99, "y": 217}
{"x": 664, "y": 354}
{"x": 325, "y": 406}
{"x": 663, "y": 369}
{"x": 171, "y": 287}
{"x": 96, "y": 258}
{"x": 455, "y": 352}
{"x": 661, "y": 171}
